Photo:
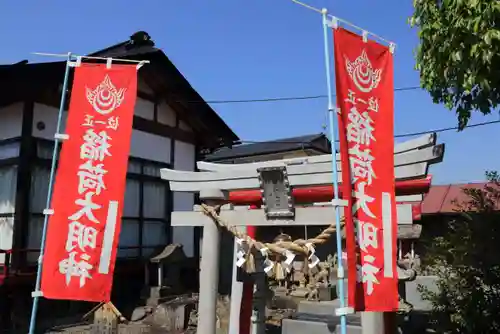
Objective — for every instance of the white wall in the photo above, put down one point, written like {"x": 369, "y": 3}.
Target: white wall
{"x": 184, "y": 159}
{"x": 48, "y": 116}
{"x": 143, "y": 145}
{"x": 166, "y": 115}
{"x": 149, "y": 146}
{"x": 12, "y": 119}
{"x": 185, "y": 127}
{"x": 144, "y": 109}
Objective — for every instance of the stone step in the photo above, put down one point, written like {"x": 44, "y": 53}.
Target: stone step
{"x": 352, "y": 319}
{"x": 319, "y": 308}
{"x": 316, "y": 326}
{"x": 314, "y": 317}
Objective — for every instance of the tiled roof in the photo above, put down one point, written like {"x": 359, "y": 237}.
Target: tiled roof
{"x": 441, "y": 198}
{"x": 313, "y": 141}
{"x": 167, "y": 78}
{"x": 140, "y": 44}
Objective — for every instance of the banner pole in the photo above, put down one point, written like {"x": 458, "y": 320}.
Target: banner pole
{"x": 331, "y": 118}
{"x": 37, "y": 293}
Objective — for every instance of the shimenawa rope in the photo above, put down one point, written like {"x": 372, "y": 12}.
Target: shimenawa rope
{"x": 299, "y": 246}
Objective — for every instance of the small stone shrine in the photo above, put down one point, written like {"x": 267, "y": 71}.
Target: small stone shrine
{"x": 167, "y": 267}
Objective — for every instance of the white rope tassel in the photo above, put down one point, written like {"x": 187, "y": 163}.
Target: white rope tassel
{"x": 289, "y": 259}
{"x": 240, "y": 253}
{"x": 269, "y": 265}
{"x": 313, "y": 259}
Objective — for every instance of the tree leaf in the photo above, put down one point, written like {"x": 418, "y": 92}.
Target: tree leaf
{"x": 459, "y": 48}
{"x": 469, "y": 272}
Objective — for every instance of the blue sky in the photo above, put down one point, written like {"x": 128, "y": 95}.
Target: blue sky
{"x": 234, "y": 49}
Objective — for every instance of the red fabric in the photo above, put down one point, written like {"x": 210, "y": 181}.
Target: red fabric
{"x": 246, "y": 308}
{"x": 92, "y": 165}
{"x": 365, "y": 96}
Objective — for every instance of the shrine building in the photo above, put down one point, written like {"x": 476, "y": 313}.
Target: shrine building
{"x": 172, "y": 127}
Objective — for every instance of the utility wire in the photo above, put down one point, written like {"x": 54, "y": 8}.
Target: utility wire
{"x": 271, "y": 99}
{"x": 445, "y": 129}
{"x": 287, "y": 98}
{"x": 402, "y": 135}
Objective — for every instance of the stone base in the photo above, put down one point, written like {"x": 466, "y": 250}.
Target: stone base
{"x": 154, "y": 296}
{"x": 327, "y": 293}
{"x": 300, "y": 293}
{"x": 318, "y": 308}
{"x": 280, "y": 291}
{"x": 312, "y": 324}
{"x": 414, "y": 297}
{"x": 314, "y": 317}
{"x": 282, "y": 302}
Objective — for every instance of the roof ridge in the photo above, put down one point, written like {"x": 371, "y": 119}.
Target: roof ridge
{"x": 462, "y": 184}
{"x": 267, "y": 147}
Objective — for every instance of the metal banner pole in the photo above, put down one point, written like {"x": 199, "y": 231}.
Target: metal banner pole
{"x": 37, "y": 293}
{"x": 336, "y": 200}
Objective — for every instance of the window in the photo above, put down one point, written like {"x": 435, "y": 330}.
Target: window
{"x": 146, "y": 216}
{"x": 8, "y": 183}
{"x": 146, "y": 212}
{"x": 39, "y": 188}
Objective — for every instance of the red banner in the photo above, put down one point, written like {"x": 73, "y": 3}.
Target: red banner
{"x": 87, "y": 202}
{"x": 365, "y": 97}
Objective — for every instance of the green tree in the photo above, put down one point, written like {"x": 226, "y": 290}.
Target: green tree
{"x": 459, "y": 53}
{"x": 467, "y": 262}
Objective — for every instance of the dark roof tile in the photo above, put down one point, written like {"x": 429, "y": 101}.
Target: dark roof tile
{"x": 273, "y": 146}
{"x": 138, "y": 46}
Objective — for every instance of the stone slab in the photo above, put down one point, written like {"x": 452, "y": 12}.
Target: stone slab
{"x": 352, "y": 319}
{"x": 327, "y": 293}
{"x": 319, "y": 308}
{"x": 294, "y": 326}
{"x": 414, "y": 297}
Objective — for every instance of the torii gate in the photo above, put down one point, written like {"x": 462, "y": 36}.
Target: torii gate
{"x": 280, "y": 185}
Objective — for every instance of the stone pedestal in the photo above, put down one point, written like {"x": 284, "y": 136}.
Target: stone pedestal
{"x": 318, "y": 308}
{"x": 326, "y": 293}
{"x": 156, "y": 295}
{"x": 161, "y": 275}
{"x": 322, "y": 323}
{"x": 300, "y": 293}
{"x": 294, "y": 326}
